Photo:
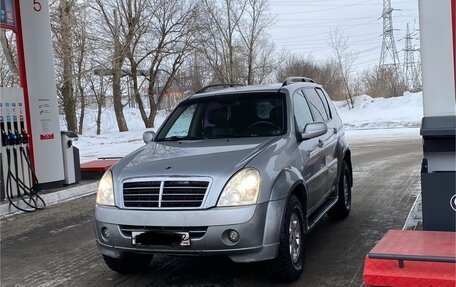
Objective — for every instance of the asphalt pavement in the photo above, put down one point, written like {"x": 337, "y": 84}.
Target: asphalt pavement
{"x": 56, "y": 246}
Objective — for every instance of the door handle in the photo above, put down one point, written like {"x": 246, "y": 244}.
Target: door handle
{"x": 320, "y": 143}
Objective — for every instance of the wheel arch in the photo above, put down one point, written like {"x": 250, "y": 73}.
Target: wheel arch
{"x": 288, "y": 182}
{"x": 347, "y": 159}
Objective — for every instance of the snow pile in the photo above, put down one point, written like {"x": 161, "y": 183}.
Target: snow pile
{"x": 111, "y": 143}
{"x": 397, "y": 112}
{"x": 109, "y": 122}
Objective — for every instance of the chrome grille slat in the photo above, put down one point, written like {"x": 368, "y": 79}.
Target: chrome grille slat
{"x": 142, "y": 187}
{"x": 190, "y": 188}
{"x": 165, "y": 193}
{"x": 180, "y": 201}
{"x": 140, "y": 194}
{"x": 188, "y": 194}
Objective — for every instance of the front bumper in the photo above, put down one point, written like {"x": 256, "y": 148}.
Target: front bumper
{"x": 258, "y": 227}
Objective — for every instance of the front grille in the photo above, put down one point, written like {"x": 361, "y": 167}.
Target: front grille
{"x": 195, "y": 232}
{"x": 164, "y": 194}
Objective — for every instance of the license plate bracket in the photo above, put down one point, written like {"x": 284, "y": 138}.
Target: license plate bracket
{"x": 164, "y": 238}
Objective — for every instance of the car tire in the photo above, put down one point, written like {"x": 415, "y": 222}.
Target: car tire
{"x": 289, "y": 263}
{"x": 343, "y": 205}
{"x": 128, "y": 263}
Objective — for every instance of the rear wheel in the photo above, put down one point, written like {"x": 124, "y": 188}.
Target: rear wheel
{"x": 128, "y": 263}
{"x": 343, "y": 206}
{"x": 290, "y": 261}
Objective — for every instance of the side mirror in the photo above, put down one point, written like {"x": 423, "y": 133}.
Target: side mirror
{"x": 148, "y": 136}
{"x": 313, "y": 130}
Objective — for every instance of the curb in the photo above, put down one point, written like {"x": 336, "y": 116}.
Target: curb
{"x": 54, "y": 197}
{"x": 415, "y": 216}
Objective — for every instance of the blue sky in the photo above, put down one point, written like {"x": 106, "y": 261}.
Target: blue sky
{"x": 302, "y": 26}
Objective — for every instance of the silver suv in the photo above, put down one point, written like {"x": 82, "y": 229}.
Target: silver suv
{"x": 244, "y": 171}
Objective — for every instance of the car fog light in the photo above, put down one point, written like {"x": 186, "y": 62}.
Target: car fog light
{"x": 105, "y": 233}
{"x": 233, "y": 236}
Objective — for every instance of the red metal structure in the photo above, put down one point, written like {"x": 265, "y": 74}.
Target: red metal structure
{"x": 412, "y": 258}
{"x": 99, "y": 165}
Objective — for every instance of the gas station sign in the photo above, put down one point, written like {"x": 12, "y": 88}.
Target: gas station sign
{"x": 7, "y": 14}
{"x": 41, "y": 90}
{"x": 30, "y": 21}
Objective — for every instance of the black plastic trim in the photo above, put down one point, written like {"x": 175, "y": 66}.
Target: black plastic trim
{"x": 443, "y": 126}
{"x": 401, "y": 258}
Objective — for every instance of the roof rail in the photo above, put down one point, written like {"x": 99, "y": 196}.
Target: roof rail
{"x": 291, "y": 80}
{"x": 204, "y": 89}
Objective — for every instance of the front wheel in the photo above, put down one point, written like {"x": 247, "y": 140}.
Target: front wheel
{"x": 128, "y": 263}
{"x": 290, "y": 261}
{"x": 343, "y": 205}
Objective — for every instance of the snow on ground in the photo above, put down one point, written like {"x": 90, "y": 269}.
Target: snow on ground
{"x": 377, "y": 134}
{"x": 371, "y": 119}
{"x": 398, "y": 112}
{"x": 111, "y": 143}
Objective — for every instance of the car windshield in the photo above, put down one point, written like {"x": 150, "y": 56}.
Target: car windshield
{"x": 227, "y": 116}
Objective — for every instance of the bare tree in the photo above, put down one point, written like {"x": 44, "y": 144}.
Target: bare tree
{"x": 8, "y": 52}
{"x": 98, "y": 90}
{"x": 9, "y": 73}
{"x": 326, "y": 73}
{"x": 383, "y": 82}
{"x": 135, "y": 55}
{"x": 258, "y": 48}
{"x": 82, "y": 51}
{"x": 63, "y": 32}
{"x": 220, "y": 41}
{"x": 345, "y": 59}
{"x": 121, "y": 19}
{"x": 169, "y": 42}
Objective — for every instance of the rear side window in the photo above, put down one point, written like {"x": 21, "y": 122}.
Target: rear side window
{"x": 302, "y": 112}
{"x": 324, "y": 99}
{"x": 316, "y": 106}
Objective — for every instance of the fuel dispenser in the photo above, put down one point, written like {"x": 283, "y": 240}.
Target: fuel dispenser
{"x": 19, "y": 181}
{"x": 31, "y": 143}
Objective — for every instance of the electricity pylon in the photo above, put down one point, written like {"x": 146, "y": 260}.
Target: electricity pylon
{"x": 389, "y": 45}
{"x": 411, "y": 68}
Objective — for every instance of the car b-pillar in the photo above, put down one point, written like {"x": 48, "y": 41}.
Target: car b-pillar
{"x": 438, "y": 128}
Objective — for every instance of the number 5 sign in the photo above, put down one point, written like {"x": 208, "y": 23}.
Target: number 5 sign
{"x": 36, "y": 5}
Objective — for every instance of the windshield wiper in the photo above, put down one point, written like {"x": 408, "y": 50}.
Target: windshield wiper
{"x": 181, "y": 138}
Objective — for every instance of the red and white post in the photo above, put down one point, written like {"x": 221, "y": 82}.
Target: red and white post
{"x": 31, "y": 24}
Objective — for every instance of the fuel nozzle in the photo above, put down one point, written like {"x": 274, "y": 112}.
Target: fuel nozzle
{"x": 25, "y": 136}
{"x": 19, "y": 137}
{"x": 5, "y": 139}
{"x": 12, "y": 138}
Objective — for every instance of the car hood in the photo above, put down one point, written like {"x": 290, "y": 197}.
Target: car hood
{"x": 211, "y": 158}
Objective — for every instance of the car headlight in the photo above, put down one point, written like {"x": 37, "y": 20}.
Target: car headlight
{"x": 105, "y": 194}
{"x": 241, "y": 189}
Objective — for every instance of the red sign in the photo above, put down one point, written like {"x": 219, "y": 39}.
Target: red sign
{"x": 47, "y": 137}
